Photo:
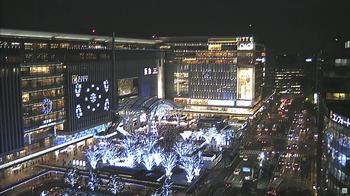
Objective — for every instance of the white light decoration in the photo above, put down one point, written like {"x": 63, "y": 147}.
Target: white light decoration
{"x": 78, "y": 111}
{"x": 187, "y": 163}
{"x": 115, "y": 184}
{"x": 148, "y": 161}
{"x": 198, "y": 164}
{"x": 46, "y": 106}
{"x": 106, "y": 85}
{"x": 77, "y": 89}
{"x": 184, "y": 148}
{"x": 93, "y": 181}
{"x": 93, "y": 155}
{"x": 93, "y": 97}
{"x": 106, "y": 105}
{"x": 157, "y": 156}
{"x": 169, "y": 162}
{"x": 71, "y": 177}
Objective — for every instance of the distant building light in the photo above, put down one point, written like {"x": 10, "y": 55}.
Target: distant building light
{"x": 308, "y": 60}
{"x": 347, "y": 44}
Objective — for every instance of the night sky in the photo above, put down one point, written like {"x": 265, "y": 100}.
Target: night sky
{"x": 294, "y": 26}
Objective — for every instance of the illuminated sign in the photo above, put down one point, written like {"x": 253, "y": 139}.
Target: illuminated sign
{"x": 245, "y": 39}
{"x": 245, "y": 169}
{"x": 214, "y": 47}
{"x": 340, "y": 119}
{"x": 245, "y": 43}
{"x": 245, "y": 83}
{"x": 91, "y": 97}
{"x": 78, "y": 79}
{"x": 245, "y": 46}
{"x": 150, "y": 71}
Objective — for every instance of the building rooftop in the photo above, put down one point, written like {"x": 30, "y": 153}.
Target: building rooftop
{"x": 73, "y": 37}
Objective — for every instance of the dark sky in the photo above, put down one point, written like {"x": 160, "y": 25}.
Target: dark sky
{"x": 301, "y": 26}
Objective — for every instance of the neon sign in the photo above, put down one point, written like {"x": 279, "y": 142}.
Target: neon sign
{"x": 77, "y": 79}
{"x": 340, "y": 119}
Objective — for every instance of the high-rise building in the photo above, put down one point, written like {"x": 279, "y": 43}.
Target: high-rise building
{"x": 58, "y": 87}
{"x": 336, "y": 148}
{"x": 215, "y": 75}
{"x": 294, "y": 75}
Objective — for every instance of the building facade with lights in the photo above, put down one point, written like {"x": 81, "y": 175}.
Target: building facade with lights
{"x": 336, "y": 93}
{"x": 294, "y": 76}
{"x": 58, "y": 87}
{"x": 215, "y": 75}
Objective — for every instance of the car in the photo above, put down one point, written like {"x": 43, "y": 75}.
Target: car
{"x": 296, "y": 167}
{"x": 241, "y": 155}
{"x": 289, "y": 147}
{"x": 295, "y": 146}
{"x": 289, "y": 165}
{"x": 245, "y": 158}
{"x": 284, "y": 154}
{"x": 237, "y": 171}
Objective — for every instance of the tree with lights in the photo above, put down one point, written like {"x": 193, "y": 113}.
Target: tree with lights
{"x": 93, "y": 155}
{"x": 71, "y": 177}
{"x": 169, "y": 162}
{"x": 115, "y": 185}
{"x": 93, "y": 181}
{"x": 157, "y": 155}
{"x": 198, "y": 164}
{"x": 148, "y": 161}
{"x": 185, "y": 148}
{"x": 165, "y": 190}
{"x": 187, "y": 163}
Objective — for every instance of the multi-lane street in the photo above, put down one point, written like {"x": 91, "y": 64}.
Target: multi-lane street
{"x": 275, "y": 157}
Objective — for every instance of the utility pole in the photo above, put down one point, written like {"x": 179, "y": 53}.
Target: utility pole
{"x": 114, "y": 75}
{"x": 319, "y": 123}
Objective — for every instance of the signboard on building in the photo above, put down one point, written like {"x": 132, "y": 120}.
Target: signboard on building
{"x": 345, "y": 121}
{"x": 245, "y": 83}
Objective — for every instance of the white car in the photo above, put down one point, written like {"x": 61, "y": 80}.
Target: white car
{"x": 245, "y": 158}
{"x": 236, "y": 172}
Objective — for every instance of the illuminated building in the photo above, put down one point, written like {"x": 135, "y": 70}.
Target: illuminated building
{"x": 291, "y": 75}
{"x": 61, "y": 86}
{"x": 336, "y": 149}
{"x": 215, "y": 75}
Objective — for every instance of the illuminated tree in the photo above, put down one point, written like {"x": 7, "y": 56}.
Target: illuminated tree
{"x": 148, "y": 161}
{"x": 198, "y": 164}
{"x": 71, "y": 177}
{"x": 157, "y": 156}
{"x": 184, "y": 148}
{"x": 169, "y": 162}
{"x": 115, "y": 184}
{"x": 93, "y": 181}
{"x": 93, "y": 155}
{"x": 187, "y": 163}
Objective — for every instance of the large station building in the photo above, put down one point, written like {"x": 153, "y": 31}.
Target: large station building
{"x": 58, "y": 88}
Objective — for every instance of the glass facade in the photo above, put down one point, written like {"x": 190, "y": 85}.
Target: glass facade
{"x": 215, "y": 74}
{"x": 337, "y": 155}
{"x": 42, "y": 100}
